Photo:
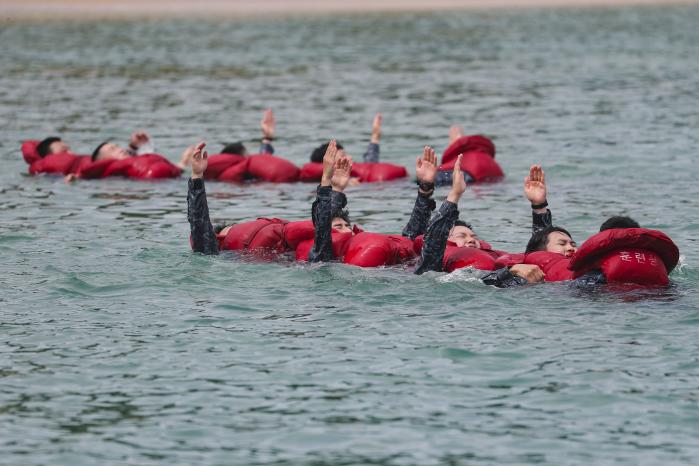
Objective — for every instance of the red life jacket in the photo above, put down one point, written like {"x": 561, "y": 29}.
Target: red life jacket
{"x": 376, "y": 250}
{"x": 261, "y": 234}
{"x": 629, "y": 255}
{"x": 29, "y": 151}
{"x": 509, "y": 259}
{"x": 372, "y": 172}
{"x": 296, "y": 232}
{"x": 475, "y": 143}
{"x": 311, "y": 172}
{"x": 456, "y": 257}
{"x": 340, "y": 243}
{"x": 367, "y": 172}
{"x": 271, "y": 168}
{"x": 554, "y": 265}
{"x": 479, "y": 165}
{"x": 57, "y": 164}
{"x": 87, "y": 169}
{"x": 151, "y": 167}
{"x": 266, "y": 235}
{"x": 219, "y": 164}
{"x": 143, "y": 167}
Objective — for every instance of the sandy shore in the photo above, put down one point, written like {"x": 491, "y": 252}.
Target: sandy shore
{"x": 18, "y": 9}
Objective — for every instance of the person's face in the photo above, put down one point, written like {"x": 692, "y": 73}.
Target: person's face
{"x": 58, "y": 147}
{"x": 560, "y": 243}
{"x": 111, "y": 151}
{"x": 341, "y": 225}
{"x": 464, "y": 237}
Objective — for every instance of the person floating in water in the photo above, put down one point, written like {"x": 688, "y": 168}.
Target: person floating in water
{"x": 443, "y": 226}
{"x": 371, "y": 169}
{"x": 328, "y": 208}
{"x": 268, "y": 126}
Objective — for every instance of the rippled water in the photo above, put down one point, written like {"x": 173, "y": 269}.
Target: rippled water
{"x": 119, "y": 346}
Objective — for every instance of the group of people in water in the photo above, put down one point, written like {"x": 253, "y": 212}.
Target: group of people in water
{"x": 622, "y": 252}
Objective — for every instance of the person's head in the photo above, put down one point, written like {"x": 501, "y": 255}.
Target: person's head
{"x": 319, "y": 152}
{"x": 463, "y": 236}
{"x": 236, "y": 148}
{"x": 341, "y": 221}
{"x": 619, "y": 222}
{"x": 109, "y": 151}
{"x": 51, "y": 145}
{"x": 553, "y": 239}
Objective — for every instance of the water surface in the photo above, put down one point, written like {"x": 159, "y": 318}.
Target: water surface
{"x": 119, "y": 346}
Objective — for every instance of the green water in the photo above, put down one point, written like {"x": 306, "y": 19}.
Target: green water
{"x": 120, "y": 346}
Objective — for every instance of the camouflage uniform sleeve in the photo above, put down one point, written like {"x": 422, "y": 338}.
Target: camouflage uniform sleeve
{"x": 503, "y": 278}
{"x": 321, "y": 213}
{"x": 202, "y": 235}
{"x": 420, "y": 217}
{"x": 541, "y": 221}
{"x": 436, "y": 238}
{"x": 372, "y": 153}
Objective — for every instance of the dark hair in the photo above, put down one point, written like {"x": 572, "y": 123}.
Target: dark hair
{"x": 319, "y": 152}
{"x": 619, "y": 222}
{"x": 44, "y": 146}
{"x": 236, "y": 148}
{"x": 218, "y": 228}
{"x": 539, "y": 239}
{"x": 461, "y": 223}
{"x": 343, "y": 214}
{"x": 98, "y": 148}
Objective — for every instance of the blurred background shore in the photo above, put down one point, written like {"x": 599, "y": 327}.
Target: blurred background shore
{"x": 75, "y": 9}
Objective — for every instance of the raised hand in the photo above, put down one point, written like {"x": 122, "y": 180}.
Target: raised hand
{"x": 199, "y": 161}
{"x": 329, "y": 163}
{"x": 268, "y": 125}
{"x": 455, "y": 132}
{"x": 186, "y": 157}
{"x": 376, "y": 129}
{"x": 531, "y": 273}
{"x": 458, "y": 183}
{"x": 535, "y": 185}
{"x": 138, "y": 139}
{"x": 342, "y": 173}
{"x": 426, "y": 166}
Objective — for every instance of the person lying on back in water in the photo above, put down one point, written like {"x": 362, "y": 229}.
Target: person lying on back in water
{"x": 372, "y": 152}
{"x": 268, "y": 126}
{"x": 550, "y": 238}
{"x": 202, "y": 233}
{"x": 139, "y": 144}
{"x": 444, "y": 177}
{"x": 328, "y": 208}
{"x": 335, "y": 179}
{"x": 461, "y": 234}
{"x": 443, "y": 226}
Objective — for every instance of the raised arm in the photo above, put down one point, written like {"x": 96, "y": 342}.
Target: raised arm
{"x": 535, "y": 191}
{"x": 186, "y": 157}
{"x": 432, "y": 255}
{"x": 268, "y": 126}
{"x": 203, "y": 237}
{"x": 321, "y": 211}
{"x": 372, "y": 151}
{"x": 140, "y": 143}
{"x": 425, "y": 170}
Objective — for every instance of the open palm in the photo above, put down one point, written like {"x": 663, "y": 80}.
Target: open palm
{"x": 342, "y": 173}
{"x": 535, "y": 185}
{"x": 426, "y": 166}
